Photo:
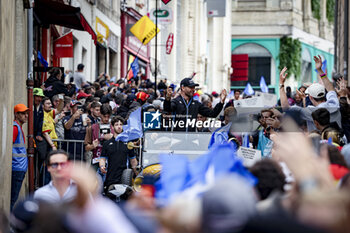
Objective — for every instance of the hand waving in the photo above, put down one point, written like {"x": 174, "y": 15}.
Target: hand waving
{"x": 318, "y": 63}
{"x": 283, "y": 75}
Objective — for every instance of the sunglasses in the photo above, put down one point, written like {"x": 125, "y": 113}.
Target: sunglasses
{"x": 55, "y": 165}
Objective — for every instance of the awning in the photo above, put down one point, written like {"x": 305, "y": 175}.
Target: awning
{"x": 48, "y": 12}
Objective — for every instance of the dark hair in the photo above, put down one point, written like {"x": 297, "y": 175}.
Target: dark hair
{"x": 99, "y": 93}
{"x": 44, "y": 99}
{"x": 80, "y": 66}
{"x": 322, "y": 99}
{"x": 335, "y": 157}
{"x": 55, "y": 152}
{"x": 270, "y": 177}
{"x": 116, "y": 119}
{"x": 106, "y": 109}
{"x": 55, "y": 71}
{"x": 96, "y": 85}
{"x": 237, "y": 91}
{"x": 322, "y": 116}
{"x": 95, "y": 104}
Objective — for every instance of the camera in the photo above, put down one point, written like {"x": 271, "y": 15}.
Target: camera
{"x": 105, "y": 129}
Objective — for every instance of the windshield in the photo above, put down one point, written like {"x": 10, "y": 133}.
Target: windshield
{"x": 174, "y": 143}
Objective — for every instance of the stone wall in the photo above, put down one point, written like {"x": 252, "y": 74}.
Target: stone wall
{"x": 7, "y": 77}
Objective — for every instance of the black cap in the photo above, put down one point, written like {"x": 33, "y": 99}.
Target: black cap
{"x": 81, "y": 66}
{"x": 188, "y": 82}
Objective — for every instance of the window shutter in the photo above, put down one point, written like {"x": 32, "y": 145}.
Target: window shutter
{"x": 239, "y": 64}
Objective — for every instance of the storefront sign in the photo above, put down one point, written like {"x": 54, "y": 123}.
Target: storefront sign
{"x": 169, "y": 43}
{"x": 102, "y": 30}
{"x": 164, "y": 15}
{"x": 63, "y": 46}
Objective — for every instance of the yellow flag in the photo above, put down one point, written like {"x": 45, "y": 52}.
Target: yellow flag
{"x": 144, "y": 30}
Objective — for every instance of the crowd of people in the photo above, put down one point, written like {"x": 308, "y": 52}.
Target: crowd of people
{"x": 302, "y": 181}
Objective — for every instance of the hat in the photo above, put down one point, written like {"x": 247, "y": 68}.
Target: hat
{"x": 81, "y": 66}
{"x": 215, "y": 94}
{"x": 20, "y": 108}
{"x": 74, "y": 102}
{"x": 188, "y": 82}
{"x": 142, "y": 96}
{"x": 82, "y": 95}
{"x": 316, "y": 90}
{"x": 38, "y": 92}
{"x": 172, "y": 86}
{"x": 23, "y": 214}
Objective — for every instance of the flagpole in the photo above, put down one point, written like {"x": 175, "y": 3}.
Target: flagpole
{"x": 126, "y": 75}
{"x": 156, "y": 71}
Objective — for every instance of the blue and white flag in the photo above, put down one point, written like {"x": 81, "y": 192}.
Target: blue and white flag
{"x": 180, "y": 176}
{"x": 248, "y": 90}
{"x": 263, "y": 85}
{"x": 230, "y": 95}
{"x": 133, "y": 129}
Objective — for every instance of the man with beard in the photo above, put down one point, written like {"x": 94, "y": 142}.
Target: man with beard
{"x": 117, "y": 153}
{"x": 185, "y": 108}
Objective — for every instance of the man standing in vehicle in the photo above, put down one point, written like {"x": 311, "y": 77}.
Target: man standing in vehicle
{"x": 117, "y": 154}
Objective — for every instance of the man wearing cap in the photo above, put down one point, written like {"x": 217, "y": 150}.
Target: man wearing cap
{"x": 79, "y": 78}
{"x": 318, "y": 97}
{"x": 186, "y": 108}
{"x": 74, "y": 129}
{"x": 19, "y": 152}
{"x": 38, "y": 115}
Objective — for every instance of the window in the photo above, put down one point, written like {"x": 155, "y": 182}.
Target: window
{"x": 306, "y": 75}
{"x": 259, "y": 64}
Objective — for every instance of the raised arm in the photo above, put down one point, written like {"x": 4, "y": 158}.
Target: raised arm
{"x": 283, "y": 95}
{"x": 327, "y": 84}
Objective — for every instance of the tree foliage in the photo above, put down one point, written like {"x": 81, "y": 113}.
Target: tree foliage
{"x": 290, "y": 55}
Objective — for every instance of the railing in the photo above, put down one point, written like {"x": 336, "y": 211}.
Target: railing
{"x": 72, "y": 147}
{"x": 75, "y": 149}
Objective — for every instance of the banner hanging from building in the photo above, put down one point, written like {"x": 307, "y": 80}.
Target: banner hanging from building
{"x": 63, "y": 46}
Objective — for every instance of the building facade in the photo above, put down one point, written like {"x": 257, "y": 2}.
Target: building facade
{"x": 257, "y": 29}
{"x": 341, "y": 43}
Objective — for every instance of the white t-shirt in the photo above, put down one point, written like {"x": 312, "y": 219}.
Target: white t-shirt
{"x": 79, "y": 79}
{"x": 332, "y": 105}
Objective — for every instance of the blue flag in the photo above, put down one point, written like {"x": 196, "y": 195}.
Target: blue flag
{"x": 324, "y": 67}
{"x": 246, "y": 140}
{"x": 248, "y": 90}
{"x": 195, "y": 177}
{"x": 42, "y": 60}
{"x": 133, "y": 129}
{"x": 135, "y": 66}
{"x": 263, "y": 85}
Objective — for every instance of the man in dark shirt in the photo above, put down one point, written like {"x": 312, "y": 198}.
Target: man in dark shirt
{"x": 74, "y": 129}
{"x": 117, "y": 154}
{"x": 186, "y": 109}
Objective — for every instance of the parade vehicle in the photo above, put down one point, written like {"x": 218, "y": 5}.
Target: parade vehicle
{"x": 154, "y": 143}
